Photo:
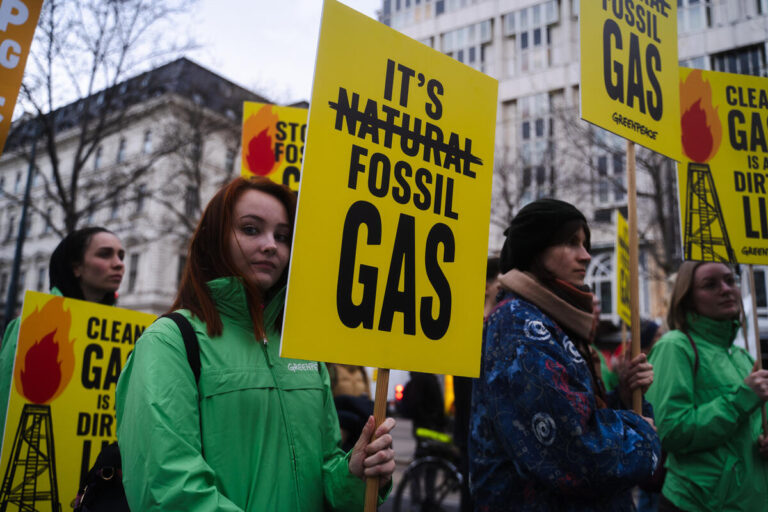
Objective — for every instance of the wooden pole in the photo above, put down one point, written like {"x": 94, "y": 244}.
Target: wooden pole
{"x": 756, "y": 330}
{"x": 634, "y": 267}
{"x": 379, "y": 415}
{"x": 751, "y": 278}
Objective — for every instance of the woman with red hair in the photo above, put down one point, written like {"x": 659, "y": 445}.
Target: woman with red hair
{"x": 257, "y": 432}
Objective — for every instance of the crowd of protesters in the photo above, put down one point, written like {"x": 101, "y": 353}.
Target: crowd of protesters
{"x": 546, "y": 426}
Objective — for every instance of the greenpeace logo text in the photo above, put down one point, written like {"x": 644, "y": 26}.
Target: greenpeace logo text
{"x": 302, "y": 367}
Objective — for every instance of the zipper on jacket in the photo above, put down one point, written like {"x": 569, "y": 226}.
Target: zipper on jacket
{"x": 288, "y": 430}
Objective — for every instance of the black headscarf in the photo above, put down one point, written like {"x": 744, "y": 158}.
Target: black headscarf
{"x": 70, "y": 252}
{"x": 534, "y": 228}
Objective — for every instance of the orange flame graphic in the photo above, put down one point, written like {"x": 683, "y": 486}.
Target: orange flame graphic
{"x": 702, "y": 130}
{"x": 45, "y": 359}
{"x": 258, "y": 138}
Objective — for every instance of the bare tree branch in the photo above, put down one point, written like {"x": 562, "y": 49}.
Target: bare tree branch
{"x": 82, "y": 48}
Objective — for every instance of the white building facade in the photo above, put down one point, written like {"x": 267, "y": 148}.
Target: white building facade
{"x": 179, "y": 142}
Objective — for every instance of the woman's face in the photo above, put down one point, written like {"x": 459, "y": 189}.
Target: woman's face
{"x": 568, "y": 261}
{"x": 715, "y": 293}
{"x": 260, "y": 241}
{"x": 102, "y": 268}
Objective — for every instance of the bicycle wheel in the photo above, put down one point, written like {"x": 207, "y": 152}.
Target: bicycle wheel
{"x": 429, "y": 484}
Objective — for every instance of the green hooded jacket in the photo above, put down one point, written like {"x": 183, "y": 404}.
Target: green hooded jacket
{"x": 270, "y": 434}
{"x": 708, "y": 420}
{"x": 7, "y": 357}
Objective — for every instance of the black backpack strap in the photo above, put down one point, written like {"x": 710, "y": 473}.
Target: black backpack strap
{"x": 192, "y": 346}
{"x": 695, "y": 353}
{"x": 190, "y": 341}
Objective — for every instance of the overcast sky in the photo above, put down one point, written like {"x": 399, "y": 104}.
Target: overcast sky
{"x": 267, "y": 46}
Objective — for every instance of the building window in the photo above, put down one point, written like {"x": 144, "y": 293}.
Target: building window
{"x": 141, "y": 197}
{"x": 600, "y": 276}
{"x": 693, "y": 15}
{"x": 133, "y": 272}
{"x": 3, "y": 285}
{"x": 610, "y": 183}
{"x": 91, "y": 210}
{"x": 197, "y": 151}
{"x": 114, "y": 207}
{"x": 17, "y": 184}
{"x": 147, "y": 146}
{"x": 749, "y": 60}
{"x": 760, "y": 290}
{"x": 97, "y": 158}
{"x": 400, "y": 13}
{"x": 471, "y": 45}
{"x": 229, "y": 161}
{"x": 190, "y": 201}
{"x": 180, "y": 269}
{"x": 41, "y": 271}
{"x": 534, "y": 113}
{"x": 11, "y": 224}
{"x": 48, "y": 226}
{"x": 528, "y": 31}
{"x": 696, "y": 62}
{"x": 619, "y": 178}
{"x": 121, "y": 151}
{"x": 21, "y": 286}
{"x": 2, "y": 184}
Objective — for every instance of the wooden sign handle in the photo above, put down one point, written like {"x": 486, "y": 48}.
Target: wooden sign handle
{"x": 634, "y": 267}
{"x": 756, "y": 331}
{"x": 379, "y": 415}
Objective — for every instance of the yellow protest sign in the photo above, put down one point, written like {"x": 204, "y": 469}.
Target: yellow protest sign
{"x": 273, "y": 142}
{"x": 722, "y": 179}
{"x": 61, "y": 409}
{"x": 18, "y": 19}
{"x": 629, "y": 71}
{"x": 622, "y": 269}
{"x": 390, "y": 245}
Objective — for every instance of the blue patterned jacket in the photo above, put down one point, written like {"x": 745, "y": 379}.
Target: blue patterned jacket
{"x": 538, "y": 439}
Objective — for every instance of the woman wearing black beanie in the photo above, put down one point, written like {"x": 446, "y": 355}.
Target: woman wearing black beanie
{"x": 87, "y": 265}
{"x": 544, "y": 434}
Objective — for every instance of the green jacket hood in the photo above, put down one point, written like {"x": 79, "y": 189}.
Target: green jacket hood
{"x": 718, "y": 332}
{"x": 228, "y": 293}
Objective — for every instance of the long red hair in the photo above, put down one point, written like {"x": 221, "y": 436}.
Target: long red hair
{"x": 208, "y": 257}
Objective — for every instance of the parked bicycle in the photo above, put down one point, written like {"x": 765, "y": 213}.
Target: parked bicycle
{"x": 432, "y": 482}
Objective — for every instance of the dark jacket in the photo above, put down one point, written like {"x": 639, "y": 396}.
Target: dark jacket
{"x": 423, "y": 402}
{"x": 538, "y": 439}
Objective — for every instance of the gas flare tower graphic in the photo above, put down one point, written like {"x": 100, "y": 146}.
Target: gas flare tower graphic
{"x": 705, "y": 236}
{"x": 33, "y": 457}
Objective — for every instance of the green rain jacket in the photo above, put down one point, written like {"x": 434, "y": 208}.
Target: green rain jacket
{"x": 708, "y": 422}
{"x": 270, "y": 434}
{"x": 7, "y": 357}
